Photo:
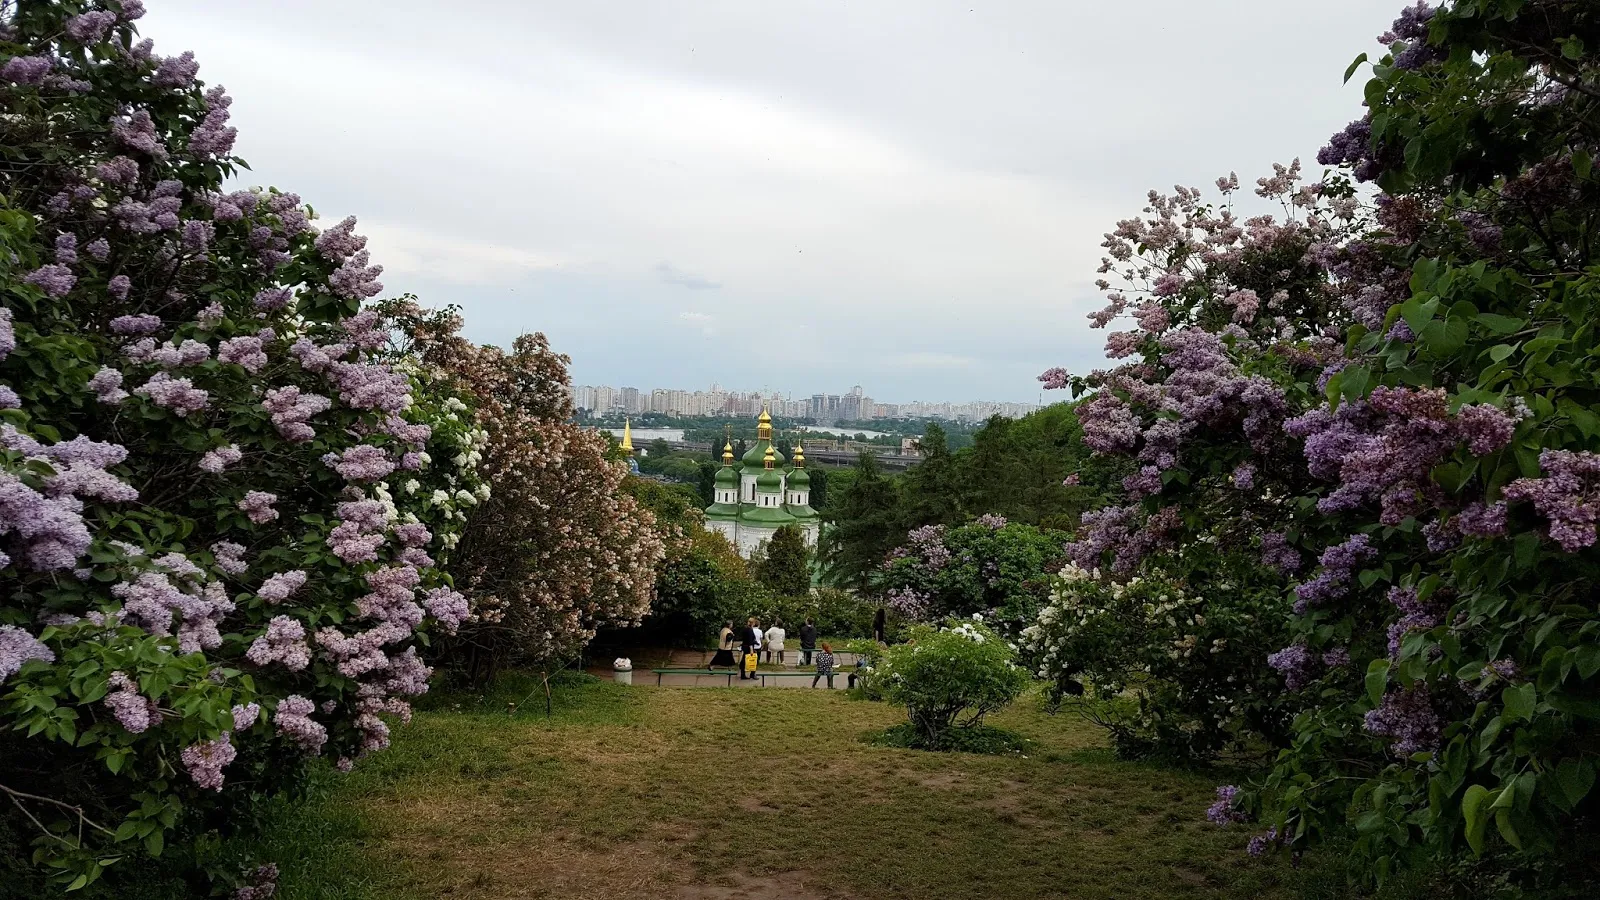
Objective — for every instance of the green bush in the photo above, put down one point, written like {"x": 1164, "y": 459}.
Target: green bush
{"x": 949, "y": 678}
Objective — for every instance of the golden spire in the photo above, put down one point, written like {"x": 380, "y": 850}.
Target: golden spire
{"x": 770, "y": 459}
{"x": 627, "y": 435}
{"x": 799, "y": 455}
{"x": 764, "y": 425}
{"x": 727, "y": 454}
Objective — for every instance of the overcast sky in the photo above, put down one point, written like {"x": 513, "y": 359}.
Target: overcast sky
{"x": 798, "y": 196}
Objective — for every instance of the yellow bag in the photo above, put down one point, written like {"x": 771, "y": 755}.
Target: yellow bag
{"x": 750, "y": 660}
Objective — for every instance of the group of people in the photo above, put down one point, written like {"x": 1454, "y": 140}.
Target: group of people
{"x": 751, "y": 641}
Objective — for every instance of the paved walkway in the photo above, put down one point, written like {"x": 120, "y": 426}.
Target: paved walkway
{"x": 652, "y": 658}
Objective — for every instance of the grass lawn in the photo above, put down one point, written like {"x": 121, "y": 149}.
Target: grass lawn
{"x": 715, "y": 793}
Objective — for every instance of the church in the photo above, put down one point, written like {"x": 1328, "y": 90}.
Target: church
{"x": 761, "y": 493}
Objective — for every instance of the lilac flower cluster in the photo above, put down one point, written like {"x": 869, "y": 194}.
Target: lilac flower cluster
{"x": 1226, "y": 811}
{"x": 284, "y": 642}
{"x": 151, "y": 602}
{"x": 245, "y": 715}
{"x": 206, "y": 760}
{"x": 177, "y": 394}
{"x": 291, "y": 410}
{"x": 133, "y": 710}
{"x": 1296, "y": 664}
{"x": 360, "y": 532}
{"x": 107, "y": 386}
{"x": 1568, "y": 496}
{"x": 447, "y": 606}
{"x": 214, "y": 137}
{"x": 1339, "y": 565}
{"x": 281, "y": 586}
{"x": 17, "y": 647}
{"x": 215, "y": 461}
{"x": 230, "y": 557}
{"x": 245, "y": 351}
{"x": 1415, "y": 615}
{"x": 1407, "y": 718}
{"x": 263, "y": 884}
{"x": 258, "y": 506}
{"x": 361, "y": 463}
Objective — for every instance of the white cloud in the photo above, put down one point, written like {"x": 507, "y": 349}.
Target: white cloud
{"x": 405, "y": 250}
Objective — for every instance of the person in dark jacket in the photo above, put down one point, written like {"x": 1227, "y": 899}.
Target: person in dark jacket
{"x": 749, "y": 642}
{"x": 808, "y": 642}
{"x": 879, "y": 626}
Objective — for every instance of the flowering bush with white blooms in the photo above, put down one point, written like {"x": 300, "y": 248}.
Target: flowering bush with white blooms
{"x": 1165, "y": 671}
{"x": 1397, "y": 405}
{"x": 560, "y": 549}
{"x": 949, "y": 677}
{"x": 223, "y": 496}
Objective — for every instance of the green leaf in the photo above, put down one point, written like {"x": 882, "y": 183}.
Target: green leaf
{"x": 1520, "y": 700}
{"x": 1582, "y": 163}
{"x": 1472, "y": 811}
{"x": 1499, "y": 352}
{"x": 1377, "y": 680}
{"x": 1502, "y": 821}
{"x": 1500, "y": 324}
{"x": 1353, "y": 67}
{"x": 1572, "y": 780}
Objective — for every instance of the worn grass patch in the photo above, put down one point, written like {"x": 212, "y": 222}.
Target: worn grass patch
{"x": 717, "y": 793}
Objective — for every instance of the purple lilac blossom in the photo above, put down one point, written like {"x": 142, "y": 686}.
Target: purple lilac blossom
{"x": 54, "y": 280}
{"x": 279, "y": 587}
{"x": 206, "y": 760}
{"x": 1568, "y": 496}
{"x": 216, "y": 460}
{"x": 1225, "y": 810}
{"x": 293, "y": 721}
{"x": 1407, "y": 718}
{"x": 133, "y": 710}
{"x": 258, "y": 506}
{"x": 177, "y": 394}
{"x": 17, "y": 647}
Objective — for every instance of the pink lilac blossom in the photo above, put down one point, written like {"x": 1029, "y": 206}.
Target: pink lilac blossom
{"x": 245, "y": 715}
{"x": 133, "y": 710}
{"x": 17, "y": 647}
{"x": 244, "y": 351}
{"x": 230, "y": 557}
{"x": 216, "y": 460}
{"x": 272, "y": 299}
{"x": 177, "y": 394}
{"x": 107, "y": 386}
{"x": 448, "y": 606}
{"x": 258, "y": 506}
{"x": 291, "y": 410}
{"x": 279, "y": 587}
{"x": 206, "y": 760}
{"x": 284, "y": 642}
{"x": 361, "y": 463}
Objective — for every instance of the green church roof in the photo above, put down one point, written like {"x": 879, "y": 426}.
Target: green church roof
{"x": 766, "y": 516}
{"x": 726, "y": 475}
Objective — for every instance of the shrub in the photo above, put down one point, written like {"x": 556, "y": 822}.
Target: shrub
{"x": 949, "y": 678}
{"x": 1193, "y": 665}
{"x": 989, "y": 566}
{"x": 223, "y": 497}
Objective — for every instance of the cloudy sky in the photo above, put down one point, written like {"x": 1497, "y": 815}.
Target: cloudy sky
{"x": 797, "y": 196}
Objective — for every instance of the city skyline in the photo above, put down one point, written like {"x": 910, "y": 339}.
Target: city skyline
{"x": 853, "y": 405}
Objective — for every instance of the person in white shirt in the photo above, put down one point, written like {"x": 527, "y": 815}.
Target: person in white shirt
{"x": 775, "y": 636}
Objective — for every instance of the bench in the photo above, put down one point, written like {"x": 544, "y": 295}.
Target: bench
{"x": 660, "y": 672}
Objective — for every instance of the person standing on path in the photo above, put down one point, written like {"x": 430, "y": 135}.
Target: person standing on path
{"x": 824, "y": 667}
{"x": 725, "y": 645}
{"x": 808, "y": 642}
{"x": 879, "y": 625}
{"x": 749, "y": 644}
{"x": 775, "y": 636}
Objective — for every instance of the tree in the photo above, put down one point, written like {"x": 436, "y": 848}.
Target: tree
{"x": 784, "y": 563}
{"x": 859, "y": 528}
{"x": 560, "y": 550}
{"x": 226, "y": 497}
{"x": 930, "y": 488}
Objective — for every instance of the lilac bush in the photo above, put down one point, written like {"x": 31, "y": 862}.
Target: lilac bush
{"x": 1420, "y": 443}
{"x": 224, "y": 499}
